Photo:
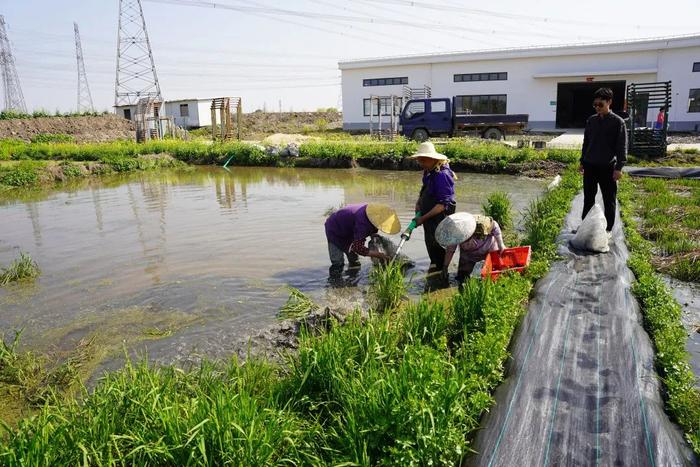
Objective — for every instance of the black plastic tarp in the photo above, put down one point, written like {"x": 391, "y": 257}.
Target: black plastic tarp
{"x": 581, "y": 387}
{"x": 664, "y": 172}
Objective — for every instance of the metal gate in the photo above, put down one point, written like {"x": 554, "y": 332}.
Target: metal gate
{"x": 645, "y": 141}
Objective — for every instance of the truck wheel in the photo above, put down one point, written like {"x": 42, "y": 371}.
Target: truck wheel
{"x": 493, "y": 133}
{"x": 420, "y": 135}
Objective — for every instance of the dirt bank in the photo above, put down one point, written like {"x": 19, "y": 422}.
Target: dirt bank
{"x": 262, "y": 123}
{"x": 101, "y": 128}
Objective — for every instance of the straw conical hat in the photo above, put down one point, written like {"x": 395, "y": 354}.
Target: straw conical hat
{"x": 384, "y": 218}
{"x": 455, "y": 229}
{"x": 427, "y": 149}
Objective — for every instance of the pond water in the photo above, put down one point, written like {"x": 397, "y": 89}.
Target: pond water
{"x": 191, "y": 262}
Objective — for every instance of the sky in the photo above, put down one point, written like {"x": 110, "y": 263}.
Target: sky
{"x": 284, "y": 54}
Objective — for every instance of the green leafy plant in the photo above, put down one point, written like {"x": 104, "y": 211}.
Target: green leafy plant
{"x": 498, "y": 207}
{"x": 23, "y": 174}
{"x": 387, "y": 286}
{"x": 52, "y": 138}
{"x": 662, "y": 319}
{"x": 321, "y": 124}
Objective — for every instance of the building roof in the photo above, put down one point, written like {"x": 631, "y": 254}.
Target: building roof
{"x": 198, "y": 99}
{"x": 636, "y": 45}
{"x": 170, "y": 101}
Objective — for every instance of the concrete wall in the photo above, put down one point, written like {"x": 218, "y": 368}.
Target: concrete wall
{"x": 676, "y": 65}
{"x": 172, "y": 109}
{"x": 527, "y": 93}
{"x": 204, "y": 112}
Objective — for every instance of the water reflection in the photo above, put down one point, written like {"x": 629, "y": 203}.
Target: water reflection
{"x": 100, "y": 241}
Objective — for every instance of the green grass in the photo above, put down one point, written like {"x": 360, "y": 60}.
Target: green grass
{"x": 11, "y": 114}
{"x": 22, "y": 269}
{"x": 387, "y": 286}
{"x": 31, "y": 173}
{"x": 52, "y": 138}
{"x": 669, "y": 212}
{"x": 33, "y": 378}
{"x": 123, "y": 156}
{"x": 498, "y": 207}
{"x": 543, "y": 217}
{"x": 403, "y": 387}
{"x": 247, "y": 154}
{"x": 662, "y": 319}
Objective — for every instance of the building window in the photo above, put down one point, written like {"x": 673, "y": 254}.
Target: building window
{"x": 461, "y": 78}
{"x": 184, "y": 110}
{"x": 127, "y": 114}
{"x": 694, "y": 101}
{"x": 385, "y": 81}
{"x": 481, "y": 104}
{"x": 384, "y": 103}
{"x": 696, "y": 66}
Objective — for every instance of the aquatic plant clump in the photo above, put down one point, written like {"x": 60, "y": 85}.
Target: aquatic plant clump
{"x": 499, "y": 207}
{"x": 298, "y": 305}
{"x": 387, "y": 286}
{"x": 36, "y": 378}
{"x": 24, "y": 268}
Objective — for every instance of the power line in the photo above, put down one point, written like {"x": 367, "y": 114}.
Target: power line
{"x": 269, "y": 12}
{"x": 178, "y": 48}
{"x": 456, "y": 9}
{"x": 214, "y": 64}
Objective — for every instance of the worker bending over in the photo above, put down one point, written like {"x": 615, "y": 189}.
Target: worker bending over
{"x": 347, "y": 230}
{"x": 476, "y": 236}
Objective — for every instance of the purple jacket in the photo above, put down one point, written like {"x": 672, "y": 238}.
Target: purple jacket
{"x": 441, "y": 185}
{"x": 347, "y": 225}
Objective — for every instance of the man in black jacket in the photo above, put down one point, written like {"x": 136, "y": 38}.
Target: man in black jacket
{"x": 603, "y": 155}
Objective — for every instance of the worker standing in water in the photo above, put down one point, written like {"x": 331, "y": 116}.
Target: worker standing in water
{"x": 347, "y": 230}
{"x": 436, "y": 199}
{"x": 475, "y": 235}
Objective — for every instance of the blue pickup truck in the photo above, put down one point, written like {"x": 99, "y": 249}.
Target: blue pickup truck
{"x": 423, "y": 118}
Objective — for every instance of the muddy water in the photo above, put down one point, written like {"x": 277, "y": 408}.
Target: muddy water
{"x": 191, "y": 262}
{"x": 687, "y": 294}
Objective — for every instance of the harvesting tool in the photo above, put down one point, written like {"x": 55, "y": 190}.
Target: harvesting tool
{"x": 406, "y": 235}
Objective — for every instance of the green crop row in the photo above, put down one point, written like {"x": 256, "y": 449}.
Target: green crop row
{"x": 662, "y": 319}
{"x": 199, "y": 152}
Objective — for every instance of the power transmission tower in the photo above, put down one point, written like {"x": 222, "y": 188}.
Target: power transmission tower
{"x": 84, "y": 96}
{"x": 136, "y": 70}
{"x": 14, "y": 99}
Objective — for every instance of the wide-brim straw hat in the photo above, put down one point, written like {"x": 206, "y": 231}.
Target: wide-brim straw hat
{"x": 455, "y": 229}
{"x": 384, "y": 218}
{"x": 427, "y": 149}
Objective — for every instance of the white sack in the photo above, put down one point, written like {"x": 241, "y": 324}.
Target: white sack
{"x": 591, "y": 235}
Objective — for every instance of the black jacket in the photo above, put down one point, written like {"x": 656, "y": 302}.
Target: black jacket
{"x": 605, "y": 141}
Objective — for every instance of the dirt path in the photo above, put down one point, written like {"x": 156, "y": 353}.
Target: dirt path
{"x": 582, "y": 388}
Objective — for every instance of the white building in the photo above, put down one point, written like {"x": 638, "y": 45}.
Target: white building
{"x": 187, "y": 113}
{"x": 554, "y": 85}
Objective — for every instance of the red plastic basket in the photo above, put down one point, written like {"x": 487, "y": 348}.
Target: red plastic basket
{"x": 512, "y": 259}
